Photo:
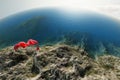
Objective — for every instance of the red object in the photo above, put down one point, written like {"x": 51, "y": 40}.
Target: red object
{"x": 37, "y": 48}
{"x": 16, "y": 47}
{"x": 31, "y": 42}
{"x": 20, "y": 44}
{"x": 24, "y": 45}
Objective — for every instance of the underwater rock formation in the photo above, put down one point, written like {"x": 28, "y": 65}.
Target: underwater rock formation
{"x": 57, "y": 62}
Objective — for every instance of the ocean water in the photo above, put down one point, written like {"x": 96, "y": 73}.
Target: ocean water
{"x": 96, "y": 33}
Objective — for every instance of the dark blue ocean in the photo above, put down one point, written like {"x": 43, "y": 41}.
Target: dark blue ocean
{"x": 96, "y": 33}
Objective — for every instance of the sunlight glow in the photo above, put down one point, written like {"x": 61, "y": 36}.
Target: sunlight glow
{"x": 108, "y": 7}
{"x": 99, "y": 6}
{"x": 70, "y": 4}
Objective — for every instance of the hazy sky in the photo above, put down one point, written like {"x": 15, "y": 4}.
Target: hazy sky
{"x": 109, "y": 7}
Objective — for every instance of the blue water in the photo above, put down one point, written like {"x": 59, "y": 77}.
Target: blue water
{"x": 96, "y": 33}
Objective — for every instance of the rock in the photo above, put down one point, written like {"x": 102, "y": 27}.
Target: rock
{"x": 15, "y": 59}
{"x": 57, "y": 62}
{"x": 35, "y": 67}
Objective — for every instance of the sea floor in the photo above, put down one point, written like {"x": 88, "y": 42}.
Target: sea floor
{"x": 57, "y": 62}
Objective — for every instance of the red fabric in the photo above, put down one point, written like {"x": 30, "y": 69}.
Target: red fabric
{"x": 16, "y": 47}
{"x": 24, "y": 45}
{"x": 31, "y": 42}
